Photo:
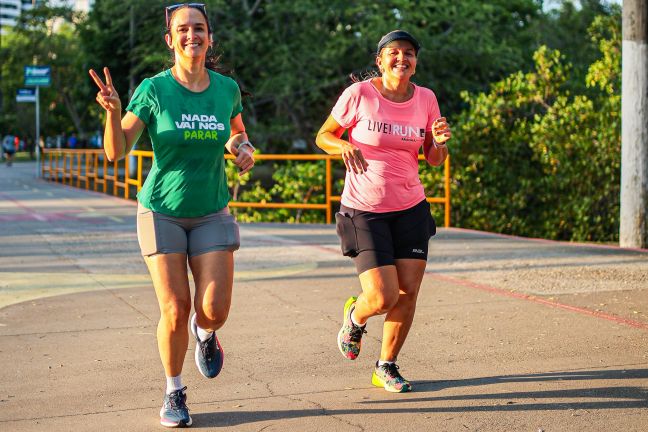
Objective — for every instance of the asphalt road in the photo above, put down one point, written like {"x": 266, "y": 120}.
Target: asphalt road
{"x": 511, "y": 334}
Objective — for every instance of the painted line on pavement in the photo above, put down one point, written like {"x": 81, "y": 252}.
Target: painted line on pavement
{"x": 16, "y": 203}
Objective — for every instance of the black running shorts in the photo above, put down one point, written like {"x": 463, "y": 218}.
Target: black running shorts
{"x": 378, "y": 239}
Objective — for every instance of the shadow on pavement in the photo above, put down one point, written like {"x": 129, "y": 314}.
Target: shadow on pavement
{"x": 617, "y": 398}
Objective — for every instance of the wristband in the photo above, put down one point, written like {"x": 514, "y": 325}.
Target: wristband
{"x": 246, "y": 143}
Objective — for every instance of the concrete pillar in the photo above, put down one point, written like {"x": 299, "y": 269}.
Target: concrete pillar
{"x": 634, "y": 126}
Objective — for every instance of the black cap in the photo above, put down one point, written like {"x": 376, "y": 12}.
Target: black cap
{"x": 398, "y": 35}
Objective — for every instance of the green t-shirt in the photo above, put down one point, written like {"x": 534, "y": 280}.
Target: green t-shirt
{"x": 188, "y": 131}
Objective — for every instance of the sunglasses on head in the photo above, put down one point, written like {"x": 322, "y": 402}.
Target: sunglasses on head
{"x": 170, "y": 9}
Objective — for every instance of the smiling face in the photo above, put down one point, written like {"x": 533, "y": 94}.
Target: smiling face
{"x": 397, "y": 60}
{"x": 188, "y": 34}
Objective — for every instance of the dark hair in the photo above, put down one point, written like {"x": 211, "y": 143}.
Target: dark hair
{"x": 212, "y": 62}
{"x": 364, "y": 75}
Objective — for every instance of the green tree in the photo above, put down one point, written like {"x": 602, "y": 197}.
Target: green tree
{"x": 295, "y": 57}
{"x": 581, "y": 164}
{"x": 566, "y": 29}
{"x": 128, "y": 38}
{"x": 534, "y": 159}
{"x": 303, "y": 52}
{"x": 45, "y": 36}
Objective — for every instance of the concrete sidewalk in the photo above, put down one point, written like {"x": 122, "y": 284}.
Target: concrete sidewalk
{"x": 511, "y": 334}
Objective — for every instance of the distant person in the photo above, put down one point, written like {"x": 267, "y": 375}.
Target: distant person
{"x": 73, "y": 141}
{"x": 95, "y": 140}
{"x": 384, "y": 221}
{"x": 8, "y": 149}
{"x": 192, "y": 114}
{"x": 30, "y": 148}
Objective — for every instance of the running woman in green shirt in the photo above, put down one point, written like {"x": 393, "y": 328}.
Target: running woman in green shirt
{"x": 192, "y": 114}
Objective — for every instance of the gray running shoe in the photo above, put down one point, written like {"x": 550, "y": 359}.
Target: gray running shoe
{"x": 174, "y": 412}
{"x": 209, "y": 354}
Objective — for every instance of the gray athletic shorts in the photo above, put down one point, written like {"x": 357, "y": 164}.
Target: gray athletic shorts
{"x": 161, "y": 234}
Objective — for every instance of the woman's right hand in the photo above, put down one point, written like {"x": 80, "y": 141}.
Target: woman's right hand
{"x": 107, "y": 96}
{"x": 328, "y": 139}
{"x": 353, "y": 158}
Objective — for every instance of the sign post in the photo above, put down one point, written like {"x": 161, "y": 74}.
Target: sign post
{"x": 37, "y": 76}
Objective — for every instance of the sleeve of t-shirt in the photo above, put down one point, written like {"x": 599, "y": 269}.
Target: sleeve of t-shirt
{"x": 345, "y": 111}
{"x": 433, "y": 111}
{"x": 237, "y": 105}
{"x": 144, "y": 102}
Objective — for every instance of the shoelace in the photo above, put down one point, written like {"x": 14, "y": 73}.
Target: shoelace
{"x": 392, "y": 370}
{"x": 176, "y": 399}
{"x": 356, "y": 333}
{"x": 204, "y": 347}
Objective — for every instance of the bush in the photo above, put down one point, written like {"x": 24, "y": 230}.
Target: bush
{"x": 534, "y": 160}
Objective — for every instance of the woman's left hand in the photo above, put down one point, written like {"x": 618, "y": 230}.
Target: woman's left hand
{"x": 244, "y": 158}
{"x": 441, "y": 131}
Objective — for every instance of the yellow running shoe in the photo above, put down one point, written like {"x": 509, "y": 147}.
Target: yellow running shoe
{"x": 388, "y": 377}
{"x": 350, "y": 335}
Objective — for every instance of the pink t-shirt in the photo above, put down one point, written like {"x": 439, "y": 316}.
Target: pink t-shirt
{"x": 390, "y": 135}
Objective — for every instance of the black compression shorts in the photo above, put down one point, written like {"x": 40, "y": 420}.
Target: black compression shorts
{"x": 378, "y": 239}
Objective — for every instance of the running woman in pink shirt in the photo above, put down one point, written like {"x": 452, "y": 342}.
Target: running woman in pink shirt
{"x": 384, "y": 221}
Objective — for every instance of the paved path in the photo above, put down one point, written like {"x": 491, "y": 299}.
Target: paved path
{"x": 511, "y": 334}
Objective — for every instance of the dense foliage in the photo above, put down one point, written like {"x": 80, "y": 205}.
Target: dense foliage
{"x": 533, "y": 158}
{"x": 532, "y": 94}
{"x": 45, "y": 36}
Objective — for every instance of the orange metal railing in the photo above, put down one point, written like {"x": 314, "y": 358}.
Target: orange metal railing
{"x": 91, "y": 169}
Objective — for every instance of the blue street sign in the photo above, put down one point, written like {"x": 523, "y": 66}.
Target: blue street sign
{"x": 38, "y": 76}
{"x": 26, "y": 95}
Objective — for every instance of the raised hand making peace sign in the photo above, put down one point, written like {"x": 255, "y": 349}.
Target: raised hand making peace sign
{"x": 107, "y": 96}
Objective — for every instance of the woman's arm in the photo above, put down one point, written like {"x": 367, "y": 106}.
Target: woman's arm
{"x": 121, "y": 135}
{"x": 328, "y": 139}
{"x": 237, "y": 135}
{"x": 239, "y": 145}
